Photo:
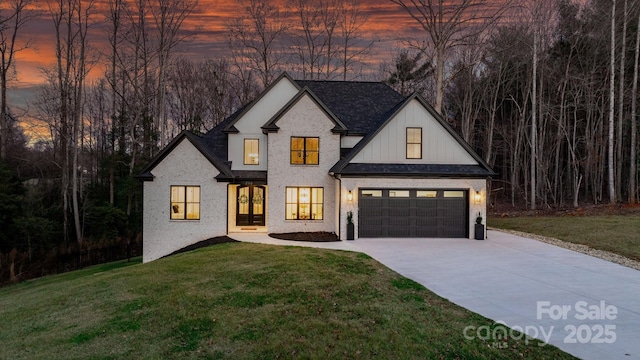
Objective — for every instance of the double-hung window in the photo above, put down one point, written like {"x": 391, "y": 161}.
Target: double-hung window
{"x": 304, "y": 150}
{"x": 304, "y": 203}
{"x": 185, "y": 202}
{"x": 414, "y": 143}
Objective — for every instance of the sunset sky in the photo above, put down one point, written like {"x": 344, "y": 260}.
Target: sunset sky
{"x": 387, "y": 24}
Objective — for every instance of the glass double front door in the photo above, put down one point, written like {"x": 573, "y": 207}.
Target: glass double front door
{"x": 250, "y": 206}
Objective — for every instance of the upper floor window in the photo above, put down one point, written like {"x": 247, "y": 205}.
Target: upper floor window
{"x": 251, "y": 151}
{"x": 414, "y": 143}
{"x": 304, "y": 150}
{"x": 185, "y": 202}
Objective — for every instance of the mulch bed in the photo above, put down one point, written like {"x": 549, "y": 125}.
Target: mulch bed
{"x": 204, "y": 243}
{"x": 306, "y": 236}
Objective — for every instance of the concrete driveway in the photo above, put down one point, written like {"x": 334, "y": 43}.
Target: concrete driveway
{"x": 586, "y": 306}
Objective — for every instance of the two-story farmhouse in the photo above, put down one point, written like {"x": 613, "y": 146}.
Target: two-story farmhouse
{"x": 302, "y": 156}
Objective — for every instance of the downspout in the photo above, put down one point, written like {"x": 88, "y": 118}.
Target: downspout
{"x": 339, "y": 204}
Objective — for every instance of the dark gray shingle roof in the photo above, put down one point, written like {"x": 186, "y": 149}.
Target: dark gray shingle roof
{"x": 360, "y": 105}
{"x": 408, "y": 170}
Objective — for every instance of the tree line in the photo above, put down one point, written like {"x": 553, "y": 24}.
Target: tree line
{"x": 541, "y": 89}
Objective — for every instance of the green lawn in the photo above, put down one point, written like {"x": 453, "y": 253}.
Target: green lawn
{"x": 240, "y": 301}
{"x": 619, "y": 234}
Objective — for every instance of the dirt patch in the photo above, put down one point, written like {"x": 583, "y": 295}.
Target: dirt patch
{"x": 306, "y": 236}
{"x": 204, "y": 243}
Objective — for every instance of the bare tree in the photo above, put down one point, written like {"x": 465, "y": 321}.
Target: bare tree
{"x": 114, "y": 21}
{"x": 11, "y": 23}
{"x": 309, "y": 37}
{"x": 255, "y": 37}
{"x": 351, "y": 20}
{"x": 621, "y": 93}
{"x": 449, "y": 25}
{"x": 168, "y": 17}
{"x": 612, "y": 91}
{"x": 634, "y": 118}
{"x": 199, "y": 95}
{"x": 330, "y": 19}
{"x": 71, "y": 19}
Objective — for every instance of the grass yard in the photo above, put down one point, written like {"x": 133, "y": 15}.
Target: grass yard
{"x": 619, "y": 234}
{"x": 243, "y": 301}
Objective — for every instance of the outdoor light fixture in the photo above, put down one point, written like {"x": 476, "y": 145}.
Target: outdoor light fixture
{"x": 349, "y": 196}
{"x": 478, "y": 197}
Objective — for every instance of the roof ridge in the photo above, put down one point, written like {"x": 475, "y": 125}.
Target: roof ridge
{"x": 346, "y": 81}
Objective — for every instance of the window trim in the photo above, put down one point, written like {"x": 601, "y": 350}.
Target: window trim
{"x": 297, "y": 203}
{"x": 185, "y": 202}
{"x": 304, "y": 150}
{"x": 244, "y": 150}
{"x": 412, "y": 143}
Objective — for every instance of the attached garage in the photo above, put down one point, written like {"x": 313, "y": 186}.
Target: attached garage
{"x": 413, "y": 213}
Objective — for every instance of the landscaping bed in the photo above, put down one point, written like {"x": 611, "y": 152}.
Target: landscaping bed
{"x": 306, "y": 236}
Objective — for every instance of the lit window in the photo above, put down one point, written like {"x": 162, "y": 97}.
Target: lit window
{"x": 371, "y": 193}
{"x": 398, "y": 193}
{"x": 251, "y": 152}
{"x": 304, "y": 150}
{"x": 185, "y": 202}
{"x": 414, "y": 143}
{"x": 426, "y": 193}
{"x": 453, "y": 194}
{"x": 304, "y": 203}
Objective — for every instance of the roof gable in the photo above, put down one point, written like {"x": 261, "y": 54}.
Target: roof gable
{"x": 467, "y": 156}
{"x": 271, "y": 126}
{"x": 199, "y": 143}
{"x": 266, "y": 104}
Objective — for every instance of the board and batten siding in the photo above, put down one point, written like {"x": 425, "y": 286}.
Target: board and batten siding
{"x": 249, "y": 125}
{"x": 438, "y": 146}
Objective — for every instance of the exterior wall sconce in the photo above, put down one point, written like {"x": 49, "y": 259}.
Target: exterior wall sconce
{"x": 349, "y": 197}
{"x": 478, "y": 197}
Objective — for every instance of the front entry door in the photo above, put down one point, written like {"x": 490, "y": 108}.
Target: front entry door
{"x": 250, "y": 206}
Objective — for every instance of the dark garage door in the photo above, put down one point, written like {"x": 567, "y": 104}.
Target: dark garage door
{"x": 413, "y": 213}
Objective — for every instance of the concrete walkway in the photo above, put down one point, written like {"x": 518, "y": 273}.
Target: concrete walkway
{"x": 542, "y": 289}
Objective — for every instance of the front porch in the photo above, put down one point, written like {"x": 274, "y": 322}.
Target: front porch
{"x": 247, "y": 208}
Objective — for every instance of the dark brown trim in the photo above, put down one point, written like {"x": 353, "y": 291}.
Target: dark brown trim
{"x": 297, "y": 203}
{"x": 244, "y": 151}
{"x": 407, "y": 143}
{"x": 185, "y": 202}
{"x": 304, "y": 150}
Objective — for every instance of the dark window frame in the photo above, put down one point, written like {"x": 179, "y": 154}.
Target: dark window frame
{"x": 244, "y": 150}
{"x": 413, "y": 143}
{"x": 304, "y": 150}
{"x": 297, "y": 203}
{"x": 184, "y": 203}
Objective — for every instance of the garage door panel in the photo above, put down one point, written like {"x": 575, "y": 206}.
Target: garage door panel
{"x": 396, "y": 203}
{"x": 427, "y": 204}
{"x": 399, "y": 221}
{"x": 426, "y": 212}
{"x": 445, "y": 215}
{"x": 369, "y": 202}
{"x": 427, "y": 220}
{"x": 396, "y": 213}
